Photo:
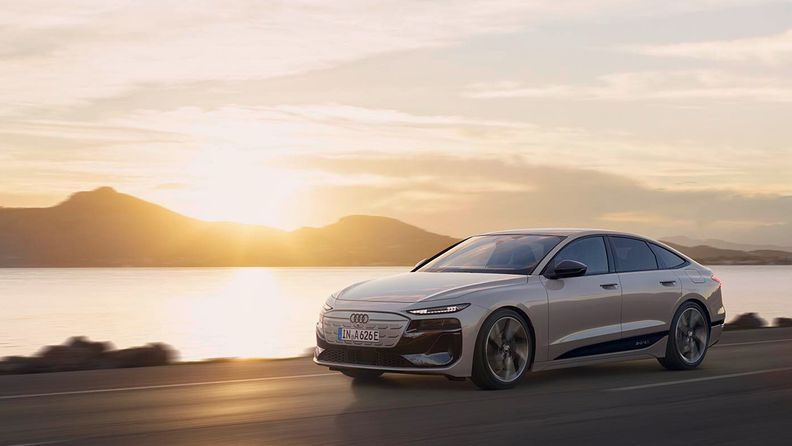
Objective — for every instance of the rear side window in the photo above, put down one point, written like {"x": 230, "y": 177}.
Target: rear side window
{"x": 590, "y": 250}
{"x": 632, "y": 255}
{"x": 666, "y": 258}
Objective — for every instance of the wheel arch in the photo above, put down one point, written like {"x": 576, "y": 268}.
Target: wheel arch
{"x": 699, "y": 301}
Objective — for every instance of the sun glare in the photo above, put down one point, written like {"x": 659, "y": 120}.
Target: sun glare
{"x": 233, "y": 185}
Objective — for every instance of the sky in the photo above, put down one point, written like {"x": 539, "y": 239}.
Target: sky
{"x": 663, "y": 118}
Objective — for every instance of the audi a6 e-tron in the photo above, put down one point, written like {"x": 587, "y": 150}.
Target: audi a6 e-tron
{"x": 495, "y": 306}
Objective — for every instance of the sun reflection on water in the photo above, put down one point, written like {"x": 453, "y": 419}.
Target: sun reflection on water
{"x": 202, "y": 312}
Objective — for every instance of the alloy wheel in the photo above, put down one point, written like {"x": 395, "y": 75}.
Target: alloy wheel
{"x": 691, "y": 335}
{"x": 507, "y": 349}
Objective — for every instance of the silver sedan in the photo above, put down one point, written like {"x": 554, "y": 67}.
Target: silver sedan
{"x": 495, "y": 306}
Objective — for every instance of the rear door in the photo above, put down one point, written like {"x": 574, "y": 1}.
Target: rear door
{"x": 586, "y": 310}
{"x": 650, "y": 291}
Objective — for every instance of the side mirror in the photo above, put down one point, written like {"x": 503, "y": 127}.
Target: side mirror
{"x": 420, "y": 263}
{"x": 566, "y": 268}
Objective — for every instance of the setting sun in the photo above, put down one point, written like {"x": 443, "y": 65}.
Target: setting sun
{"x": 234, "y": 185}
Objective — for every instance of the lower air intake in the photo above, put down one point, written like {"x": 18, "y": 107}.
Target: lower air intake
{"x": 363, "y": 356}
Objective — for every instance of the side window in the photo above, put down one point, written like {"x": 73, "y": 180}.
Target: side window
{"x": 666, "y": 258}
{"x": 590, "y": 250}
{"x": 632, "y": 255}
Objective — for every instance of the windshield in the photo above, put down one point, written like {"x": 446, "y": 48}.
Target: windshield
{"x": 504, "y": 254}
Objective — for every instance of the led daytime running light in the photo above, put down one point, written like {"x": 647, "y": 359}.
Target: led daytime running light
{"x": 439, "y": 310}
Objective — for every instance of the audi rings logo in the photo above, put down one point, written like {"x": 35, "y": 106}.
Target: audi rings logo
{"x": 359, "y": 318}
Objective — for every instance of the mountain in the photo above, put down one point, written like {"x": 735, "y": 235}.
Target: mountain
{"x": 107, "y": 228}
{"x": 723, "y": 244}
{"x": 709, "y": 255}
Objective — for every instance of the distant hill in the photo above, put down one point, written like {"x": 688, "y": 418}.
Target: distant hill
{"x": 723, "y": 244}
{"x": 716, "y": 256}
{"x": 107, "y": 228}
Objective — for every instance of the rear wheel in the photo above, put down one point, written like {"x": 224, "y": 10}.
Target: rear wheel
{"x": 362, "y": 374}
{"x": 503, "y": 351}
{"x": 688, "y": 338}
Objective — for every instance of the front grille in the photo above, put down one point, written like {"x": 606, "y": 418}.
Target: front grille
{"x": 390, "y": 326}
{"x": 363, "y": 356}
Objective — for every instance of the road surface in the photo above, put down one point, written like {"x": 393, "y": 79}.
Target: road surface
{"x": 742, "y": 393}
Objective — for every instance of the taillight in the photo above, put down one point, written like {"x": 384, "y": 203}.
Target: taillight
{"x": 715, "y": 278}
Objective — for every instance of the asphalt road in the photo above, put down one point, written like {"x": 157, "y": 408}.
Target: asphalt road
{"x": 742, "y": 393}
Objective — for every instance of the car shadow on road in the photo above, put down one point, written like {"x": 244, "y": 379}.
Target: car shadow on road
{"x": 399, "y": 407}
{"x": 613, "y": 373}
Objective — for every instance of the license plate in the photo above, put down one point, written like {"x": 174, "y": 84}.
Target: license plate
{"x": 356, "y": 334}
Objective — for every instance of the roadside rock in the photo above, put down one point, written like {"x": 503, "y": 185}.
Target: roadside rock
{"x": 78, "y": 353}
{"x": 746, "y": 321}
{"x": 783, "y": 322}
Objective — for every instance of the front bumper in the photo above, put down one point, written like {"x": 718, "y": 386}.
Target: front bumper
{"x": 418, "y": 348}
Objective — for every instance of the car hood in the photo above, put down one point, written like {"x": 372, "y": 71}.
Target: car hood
{"x": 416, "y": 287}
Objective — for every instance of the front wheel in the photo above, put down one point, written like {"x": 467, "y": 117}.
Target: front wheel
{"x": 503, "y": 351}
{"x": 362, "y": 374}
{"x": 688, "y": 339}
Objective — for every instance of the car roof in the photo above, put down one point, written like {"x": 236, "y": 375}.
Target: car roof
{"x": 562, "y": 232}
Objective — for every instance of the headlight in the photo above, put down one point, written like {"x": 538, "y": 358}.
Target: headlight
{"x": 440, "y": 310}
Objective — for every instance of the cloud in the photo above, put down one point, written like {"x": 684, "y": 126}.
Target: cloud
{"x": 669, "y": 86}
{"x": 449, "y": 194}
{"x": 151, "y": 146}
{"x": 172, "y": 186}
{"x": 55, "y": 54}
{"x": 774, "y": 49}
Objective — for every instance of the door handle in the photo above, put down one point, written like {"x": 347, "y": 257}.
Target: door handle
{"x": 668, "y": 282}
{"x": 610, "y": 286}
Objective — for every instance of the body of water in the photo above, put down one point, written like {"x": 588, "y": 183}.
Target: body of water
{"x": 237, "y": 312}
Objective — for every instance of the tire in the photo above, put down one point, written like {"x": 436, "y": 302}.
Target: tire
{"x": 688, "y": 338}
{"x": 362, "y": 374}
{"x": 504, "y": 351}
